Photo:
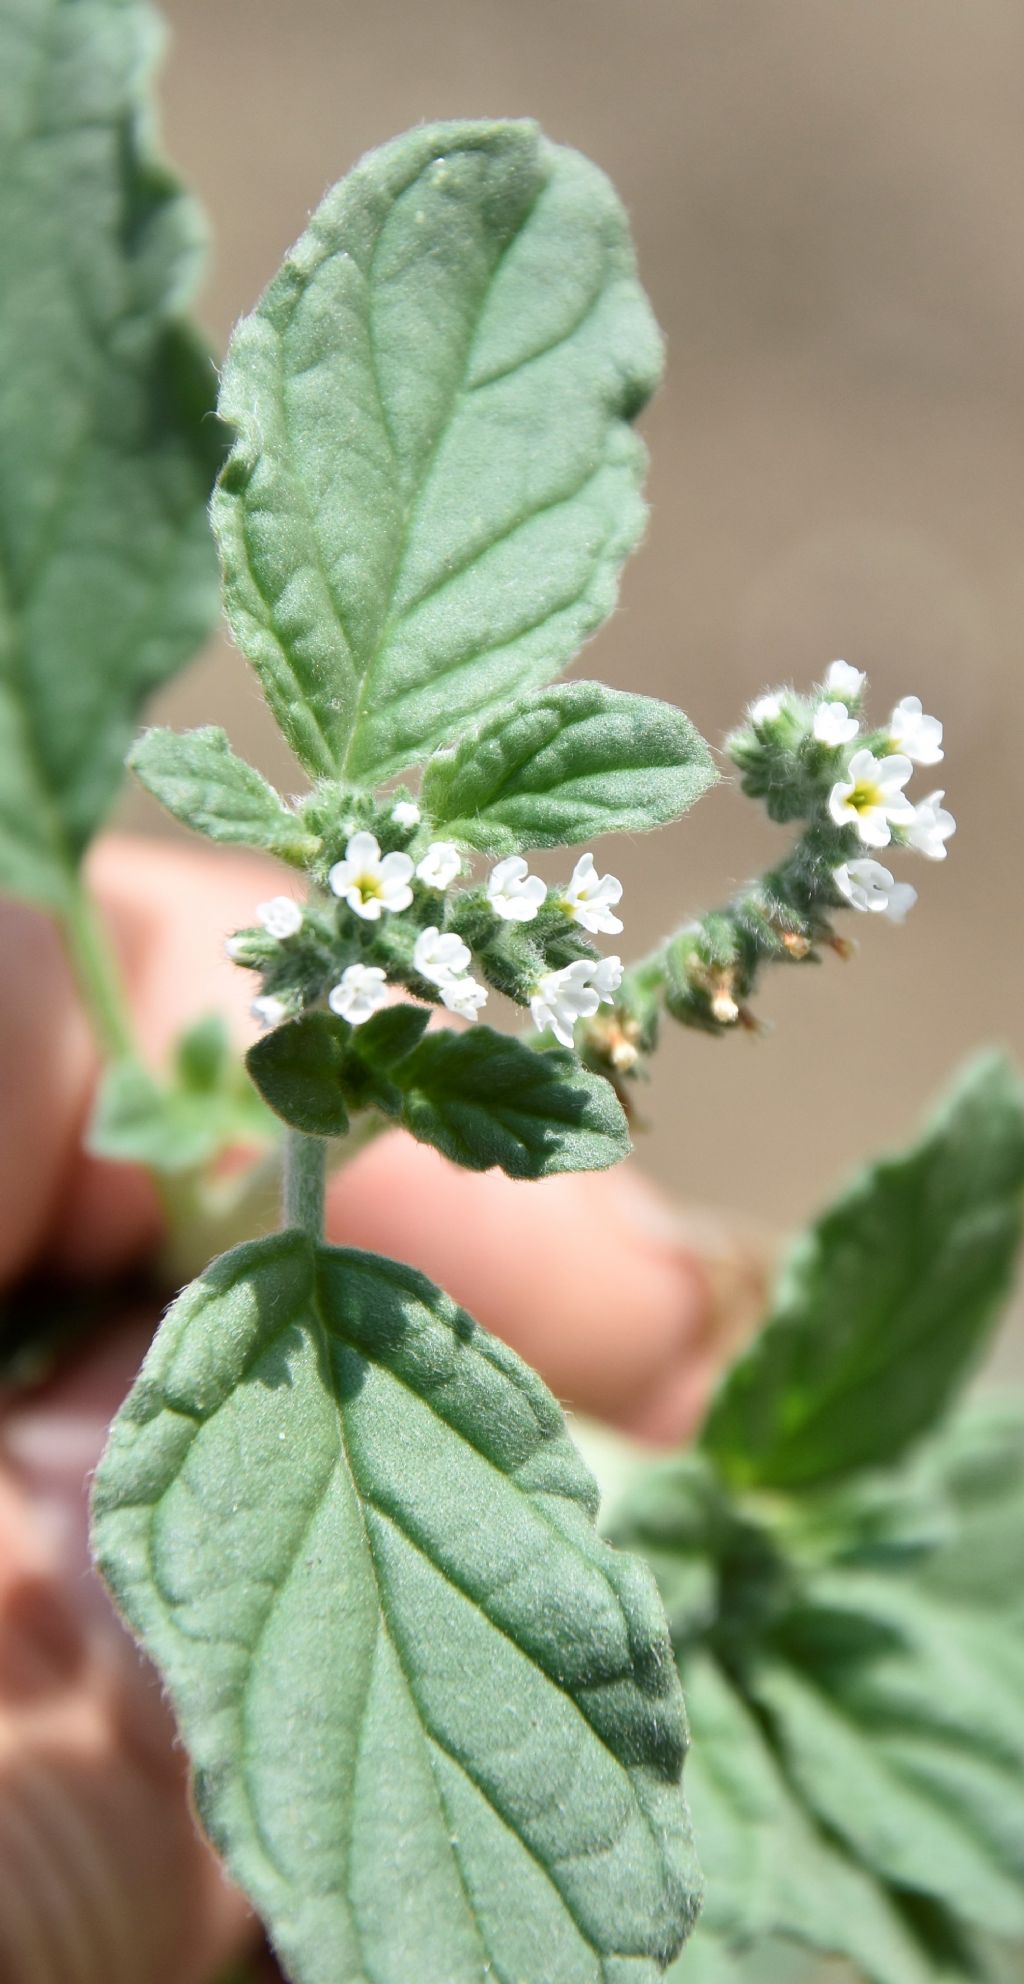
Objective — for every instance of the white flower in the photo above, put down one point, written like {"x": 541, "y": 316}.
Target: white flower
{"x": 368, "y": 883}
{"x": 280, "y": 917}
{"x": 844, "y": 681}
{"x": 440, "y": 957}
{"x": 931, "y": 827}
{"x": 464, "y": 996}
{"x": 868, "y": 886}
{"x": 515, "y": 894}
{"x": 765, "y": 710}
{"x": 607, "y": 977}
{"x": 918, "y": 736}
{"x": 560, "y": 998}
{"x": 406, "y": 813}
{"x": 589, "y": 898}
{"x": 872, "y": 797}
{"x": 439, "y": 865}
{"x": 360, "y": 992}
{"x": 833, "y": 724}
{"x": 268, "y": 1010}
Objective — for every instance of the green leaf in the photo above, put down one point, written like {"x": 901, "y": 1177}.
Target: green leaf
{"x": 942, "y": 1816}
{"x": 434, "y": 484}
{"x": 207, "y": 1106}
{"x": 480, "y": 1097}
{"x": 884, "y": 1304}
{"x": 564, "y": 765}
{"x": 978, "y": 1468}
{"x": 108, "y": 447}
{"x": 398, "y": 1622}
{"x": 769, "y": 1870}
{"x": 299, "y": 1070}
{"x": 484, "y": 1098}
{"x": 197, "y": 776}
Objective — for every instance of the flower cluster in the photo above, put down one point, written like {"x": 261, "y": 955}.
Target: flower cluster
{"x": 820, "y": 743}
{"x": 816, "y": 760}
{"x": 398, "y": 919}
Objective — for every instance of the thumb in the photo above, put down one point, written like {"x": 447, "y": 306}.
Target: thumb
{"x": 626, "y": 1308}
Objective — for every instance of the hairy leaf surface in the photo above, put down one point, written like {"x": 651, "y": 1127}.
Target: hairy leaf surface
{"x": 197, "y": 777}
{"x": 353, "y": 1532}
{"x": 885, "y": 1303}
{"x": 434, "y": 483}
{"x": 480, "y": 1097}
{"x": 108, "y": 444}
{"x": 565, "y": 765}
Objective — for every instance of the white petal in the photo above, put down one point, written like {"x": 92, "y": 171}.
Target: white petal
{"x": 339, "y": 877}
{"x": 765, "y": 710}
{"x": 833, "y": 725}
{"x": 281, "y": 917}
{"x": 900, "y": 901}
{"x": 891, "y": 774}
{"x": 839, "y": 802}
{"x": 842, "y": 680}
{"x": 268, "y": 1010}
{"x": 440, "y": 865}
{"x": 364, "y": 850}
{"x": 873, "y": 827}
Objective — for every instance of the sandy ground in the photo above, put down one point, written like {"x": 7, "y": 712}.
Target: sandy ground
{"x": 828, "y": 205}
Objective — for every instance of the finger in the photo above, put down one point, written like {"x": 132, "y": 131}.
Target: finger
{"x": 594, "y": 1279}
{"x": 104, "y": 1876}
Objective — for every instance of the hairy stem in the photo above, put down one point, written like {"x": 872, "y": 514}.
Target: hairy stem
{"x": 305, "y": 1174}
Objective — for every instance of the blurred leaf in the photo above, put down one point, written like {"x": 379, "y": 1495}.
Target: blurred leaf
{"x": 884, "y": 1304}
{"x": 207, "y": 1106}
{"x": 434, "y": 483}
{"x": 108, "y": 444}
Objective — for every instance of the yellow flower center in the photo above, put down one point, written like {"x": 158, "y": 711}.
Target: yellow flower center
{"x": 368, "y": 886}
{"x": 865, "y": 796}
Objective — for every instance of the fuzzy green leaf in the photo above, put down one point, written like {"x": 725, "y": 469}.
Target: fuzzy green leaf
{"x": 399, "y": 1622}
{"x": 483, "y": 1098}
{"x": 565, "y": 765}
{"x": 480, "y": 1097}
{"x": 197, "y": 776}
{"x": 299, "y": 1070}
{"x": 885, "y": 1303}
{"x": 108, "y": 445}
{"x": 434, "y": 483}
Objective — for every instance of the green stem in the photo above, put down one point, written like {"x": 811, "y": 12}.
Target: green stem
{"x": 305, "y": 1174}
{"x": 96, "y": 976}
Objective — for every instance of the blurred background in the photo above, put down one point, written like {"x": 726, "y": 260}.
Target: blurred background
{"x": 828, "y": 206}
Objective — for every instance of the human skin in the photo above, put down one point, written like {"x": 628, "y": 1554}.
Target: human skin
{"x": 104, "y": 1878}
